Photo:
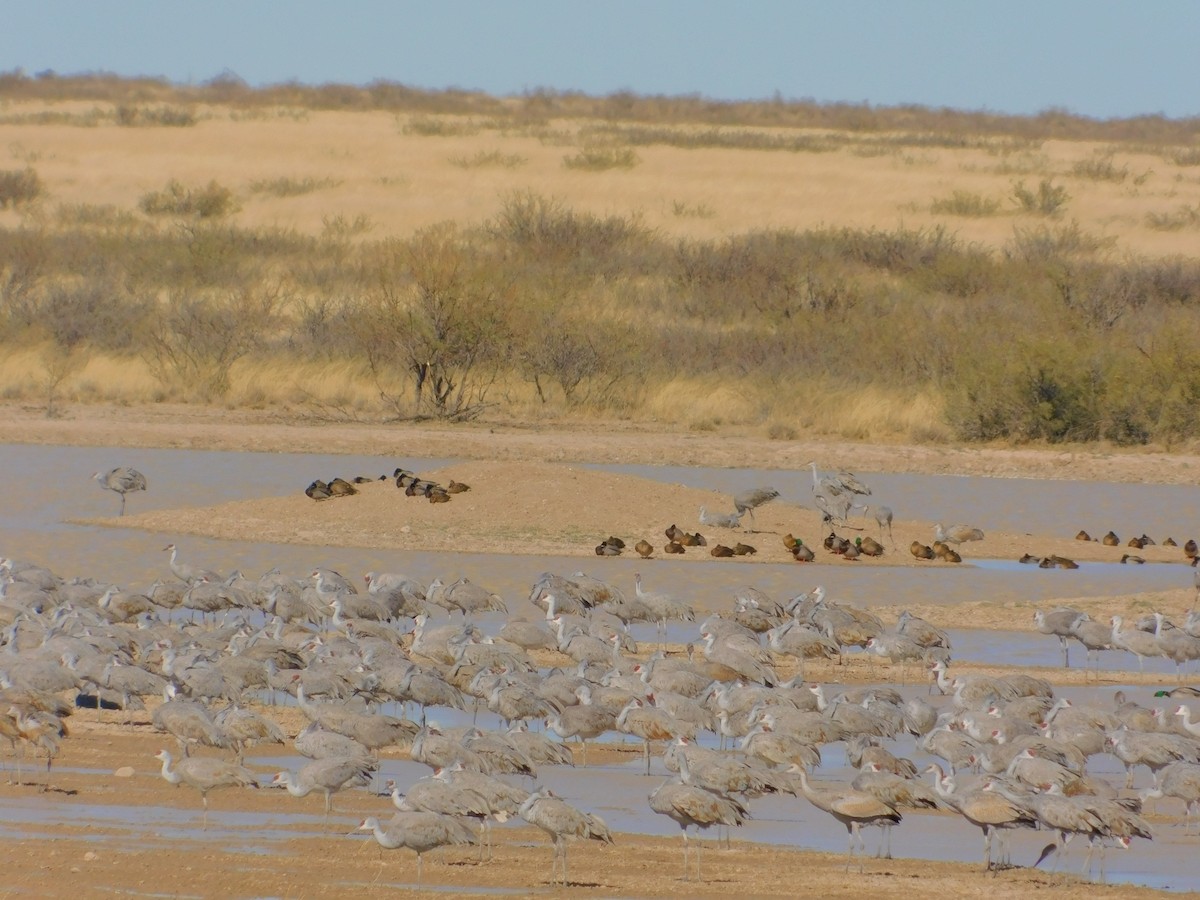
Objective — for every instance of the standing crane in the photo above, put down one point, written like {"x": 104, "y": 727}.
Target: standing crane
{"x": 690, "y": 805}
{"x": 852, "y": 808}
{"x": 121, "y": 480}
{"x": 561, "y": 821}
{"x": 204, "y": 773}
{"x": 748, "y": 501}
{"x": 417, "y": 831}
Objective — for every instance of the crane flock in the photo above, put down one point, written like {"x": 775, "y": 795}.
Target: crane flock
{"x": 341, "y": 654}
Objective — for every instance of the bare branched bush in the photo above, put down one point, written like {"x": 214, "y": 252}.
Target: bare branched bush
{"x": 1100, "y": 167}
{"x": 435, "y": 323}
{"x": 1183, "y": 216}
{"x": 195, "y": 340}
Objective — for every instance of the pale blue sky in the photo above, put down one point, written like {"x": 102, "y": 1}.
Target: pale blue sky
{"x": 1101, "y": 58}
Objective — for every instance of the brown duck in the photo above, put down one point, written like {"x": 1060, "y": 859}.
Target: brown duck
{"x": 1111, "y": 540}
{"x": 644, "y": 549}
{"x": 920, "y": 551}
{"x": 740, "y": 549}
{"x": 721, "y": 550}
{"x": 673, "y": 547}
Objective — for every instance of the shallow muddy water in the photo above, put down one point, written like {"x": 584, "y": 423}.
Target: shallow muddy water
{"x": 49, "y": 485}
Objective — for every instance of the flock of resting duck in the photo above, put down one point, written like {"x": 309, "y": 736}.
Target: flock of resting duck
{"x": 409, "y": 482}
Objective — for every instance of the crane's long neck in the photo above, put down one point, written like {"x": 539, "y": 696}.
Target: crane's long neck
{"x": 167, "y": 772}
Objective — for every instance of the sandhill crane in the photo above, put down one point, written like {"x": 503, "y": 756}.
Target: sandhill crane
{"x": 852, "y": 808}
{"x": 956, "y": 534}
{"x": 121, "y": 480}
{"x": 327, "y": 776}
{"x": 648, "y": 724}
{"x": 883, "y": 518}
{"x": 1180, "y": 780}
{"x": 561, "y": 821}
{"x": 43, "y": 731}
{"x": 438, "y": 750}
{"x": 689, "y": 805}
{"x": 1154, "y": 750}
{"x": 435, "y": 796}
{"x": 419, "y": 832}
{"x": 317, "y": 743}
{"x": 750, "y": 500}
{"x": 583, "y": 721}
{"x": 720, "y": 520}
{"x": 188, "y": 721}
{"x": 243, "y": 727}
{"x": 989, "y": 811}
{"x": 205, "y": 774}
{"x": 1058, "y": 622}
{"x": 663, "y": 607}
{"x": 1140, "y": 643}
{"x": 186, "y": 572}
{"x": 894, "y": 790}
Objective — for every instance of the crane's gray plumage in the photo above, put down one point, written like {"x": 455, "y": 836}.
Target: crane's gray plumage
{"x": 748, "y": 501}
{"x": 561, "y": 821}
{"x": 121, "y": 480}
{"x": 689, "y": 805}
{"x": 418, "y": 831}
{"x": 205, "y": 774}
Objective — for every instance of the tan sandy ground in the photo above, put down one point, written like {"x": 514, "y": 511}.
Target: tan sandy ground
{"x": 501, "y": 514}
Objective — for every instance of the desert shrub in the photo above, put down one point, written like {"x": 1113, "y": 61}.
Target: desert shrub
{"x": 130, "y": 116}
{"x": 436, "y": 324}
{"x": 1048, "y": 200}
{"x": 1189, "y": 156}
{"x": 965, "y": 203}
{"x": 439, "y": 126}
{"x": 600, "y": 158}
{"x": 684, "y": 210}
{"x": 194, "y": 339}
{"x": 1183, "y": 216}
{"x": 1045, "y": 244}
{"x": 1100, "y": 167}
{"x": 94, "y": 312}
{"x": 546, "y": 229}
{"x": 19, "y": 186}
{"x": 489, "y": 159}
{"x": 284, "y": 186}
{"x": 208, "y": 202}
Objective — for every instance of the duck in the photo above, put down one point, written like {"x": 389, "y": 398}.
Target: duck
{"x": 457, "y": 487}
{"x": 673, "y": 547}
{"x": 920, "y": 551}
{"x": 604, "y": 548}
{"x": 791, "y": 542}
{"x": 868, "y": 546}
{"x": 721, "y": 550}
{"x": 1029, "y": 560}
{"x": 1111, "y": 540}
{"x": 1128, "y": 559}
{"x": 1083, "y": 536}
{"x": 644, "y": 549}
{"x": 318, "y": 490}
{"x": 1136, "y": 543}
{"x": 1170, "y": 542}
{"x": 801, "y": 553}
{"x": 740, "y": 549}
{"x": 1189, "y": 549}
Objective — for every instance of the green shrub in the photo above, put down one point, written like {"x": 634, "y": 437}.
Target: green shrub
{"x": 19, "y": 186}
{"x": 965, "y": 203}
{"x": 1048, "y": 200}
{"x": 209, "y": 202}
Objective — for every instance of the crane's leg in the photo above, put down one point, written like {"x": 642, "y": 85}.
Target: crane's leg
{"x": 1066, "y": 657}
{"x": 699, "y": 856}
{"x": 646, "y": 753}
{"x": 685, "y": 854}
{"x": 204, "y": 826}
{"x": 419, "y": 873}
{"x": 122, "y": 512}
{"x": 849, "y": 845}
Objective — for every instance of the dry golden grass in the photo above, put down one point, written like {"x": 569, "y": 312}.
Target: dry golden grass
{"x": 404, "y": 181}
